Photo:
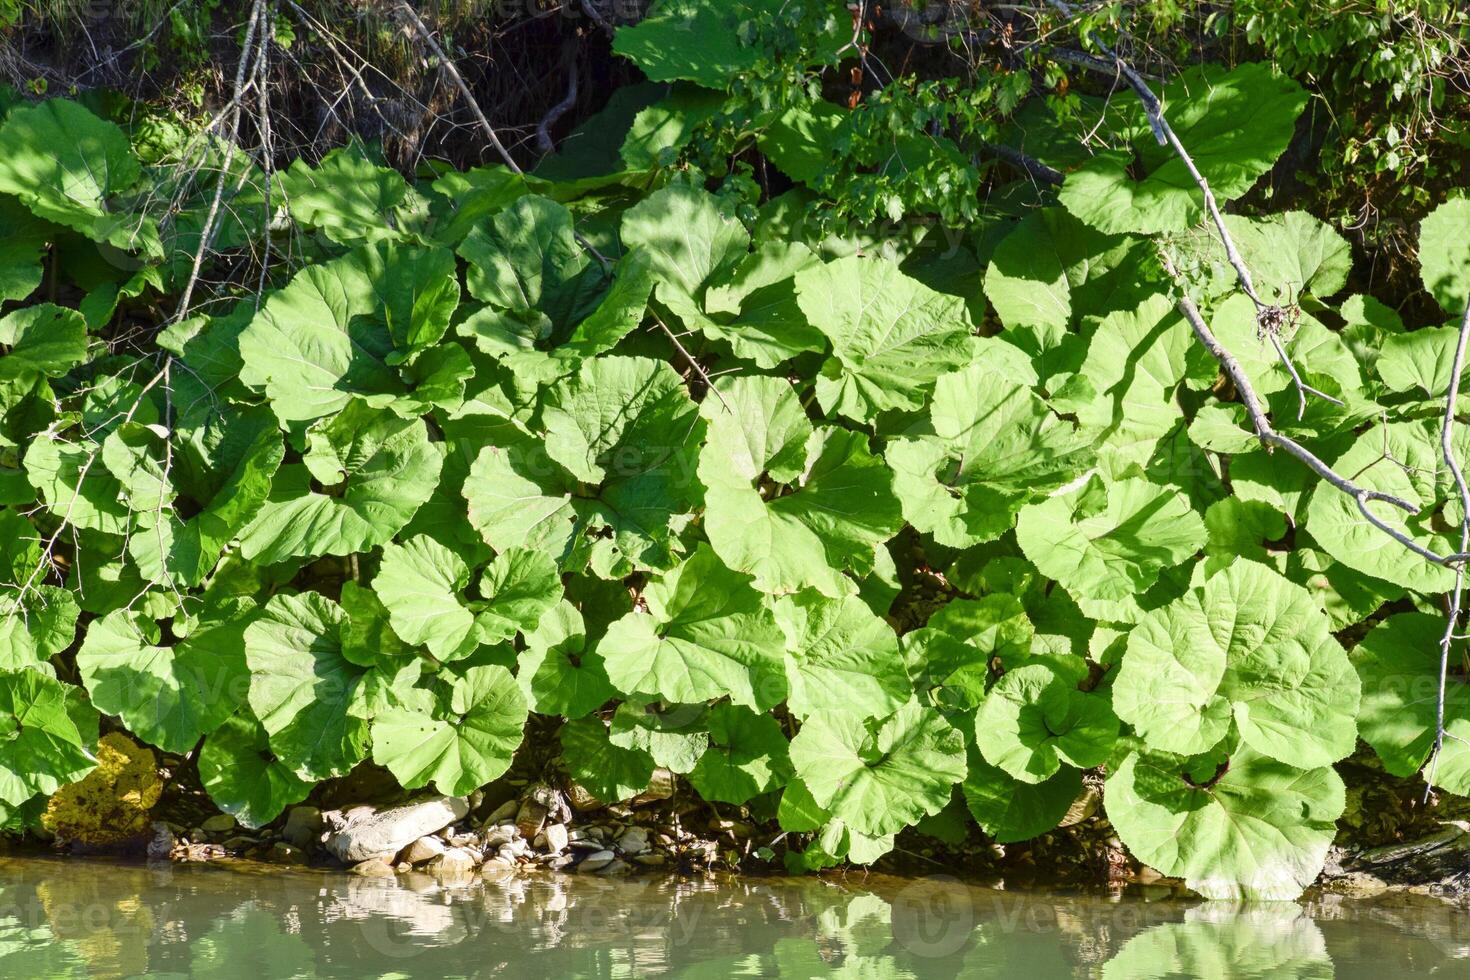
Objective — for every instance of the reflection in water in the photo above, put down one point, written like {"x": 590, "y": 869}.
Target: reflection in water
{"x": 70, "y": 918}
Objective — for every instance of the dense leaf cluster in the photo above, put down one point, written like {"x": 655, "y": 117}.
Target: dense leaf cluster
{"x": 853, "y": 532}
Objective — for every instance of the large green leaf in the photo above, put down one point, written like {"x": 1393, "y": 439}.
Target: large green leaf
{"x": 557, "y": 671}
{"x": 789, "y": 504}
{"x": 346, "y": 329}
{"x": 706, "y": 634}
{"x": 841, "y": 657}
{"x": 519, "y": 498}
{"x": 880, "y": 776}
{"x": 41, "y": 341}
{"x": 518, "y": 588}
{"x": 1234, "y": 125}
{"x": 421, "y": 583}
{"x": 995, "y": 447}
{"x": 1290, "y": 254}
{"x": 547, "y": 303}
{"x": 46, "y": 735}
{"x": 243, "y": 776}
{"x": 1398, "y": 663}
{"x": 1010, "y": 810}
{"x": 891, "y": 335}
{"x": 1246, "y": 827}
{"x": 169, "y": 548}
{"x": 1110, "y": 541}
{"x": 351, "y": 199}
{"x": 1419, "y": 359}
{"x": 73, "y": 168}
{"x": 659, "y": 131}
{"x": 675, "y": 736}
{"x": 23, "y": 239}
{"x": 75, "y": 485}
{"x": 1444, "y": 254}
{"x": 1310, "y": 345}
{"x": 308, "y": 695}
{"x": 364, "y": 475}
{"x": 1034, "y": 719}
{"x": 609, "y": 771}
{"x": 621, "y": 437}
{"x": 689, "y": 239}
{"x": 1248, "y": 646}
{"x": 1135, "y": 362}
{"x": 758, "y": 298}
{"x": 463, "y": 746}
{"x": 1403, "y": 459}
{"x": 687, "y": 40}
{"x": 746, "y": 756}
{"x": 172, "y": 694}
{"x": 1052, "y": 267}
{"x": 35, "y": 623}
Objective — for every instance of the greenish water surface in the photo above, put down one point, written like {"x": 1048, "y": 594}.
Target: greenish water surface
{"x": 65, "y": 918}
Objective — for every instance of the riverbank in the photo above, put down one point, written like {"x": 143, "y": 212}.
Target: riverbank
{"x": 535, "y": 821}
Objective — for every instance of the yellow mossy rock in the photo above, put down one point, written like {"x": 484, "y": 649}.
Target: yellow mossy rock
{"x": 114, "y": 802}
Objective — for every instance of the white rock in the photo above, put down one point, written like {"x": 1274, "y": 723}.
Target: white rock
{"x": 501, "y": 834}
{"x": 421, "y": 850}
{"x": 556, "y": 837}
{"x": 497, "y": 868}
{"x": 454, "y": 861}
{"x": 368, "y": 834}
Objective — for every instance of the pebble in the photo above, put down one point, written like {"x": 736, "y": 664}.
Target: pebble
{"x": 660, "y": 787}
{"x": 530, "y": 818}
{"x": 634, "y": 841}
{"x": 651, "y": 860}
{"x": 500, "y": 834}
{"x": 581, "y": 797}
{"x": 303, "y": 826}
{"x": 596, "y": 861}
{"x": 454, "y": 861}
{"x": 615, "y": 867}
{"x": 284, "y": 853}
{"x": 220, "y": 823}
{"x": 506, "y": 811}
{"x": 373, "y": 868}
{"x": 421, "y": 850}
{"x": 556, "y": 837}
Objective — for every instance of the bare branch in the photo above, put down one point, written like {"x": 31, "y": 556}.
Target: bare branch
{"x": 206, "y": 237}
{"x": 1033, "y": 167}
{"x": 690, "y": 358}
{"x": 417, "y": 22}
{"x": 1452, "y": 620}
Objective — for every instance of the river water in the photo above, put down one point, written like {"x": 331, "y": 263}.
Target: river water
{"x": 65, "y": 918}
